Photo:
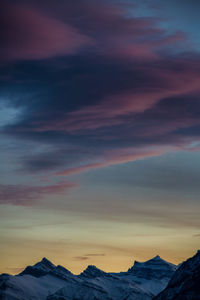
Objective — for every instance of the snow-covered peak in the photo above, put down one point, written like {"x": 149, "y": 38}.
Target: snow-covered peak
{"x": 156, "y": 259}
{"x": 44, "y": 280}
{"x": 45, "y": 265}
{"x": 155, "y": 267}
{"x": 62, "y": 270}
{"x": 92, "y": 272}
{"x": 41, "y": 268}
{"x": 156, "y": 263}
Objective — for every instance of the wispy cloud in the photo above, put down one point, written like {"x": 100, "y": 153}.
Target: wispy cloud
{"x": 80, "y": 257}
{"x": 95, "y": 254}
{"x": 112, "y": 158}
{"x": 197, "y": 235}
{"x": 88, "y": 256}
{"x": 28, "y": 195}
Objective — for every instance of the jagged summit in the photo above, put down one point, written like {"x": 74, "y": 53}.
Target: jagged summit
{"x": 45, "y": 265}
{"x": 92, "y": 271}
{"x": 155, "y": 267}
{"x": 157, "y": 257}
{"x": 39, "y": 269}
{"x": 46, "y": 261}
{"x": 155, "y": 262}
{"x": 92, "y": 267}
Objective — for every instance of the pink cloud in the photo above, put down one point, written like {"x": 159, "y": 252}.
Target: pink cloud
{"x": 142, "y": 44}
{"x": 28, "y": 195}
{"x": 113, "y": 158}
{"x": 29, "y": 34}
{"x": 170, "y": 80}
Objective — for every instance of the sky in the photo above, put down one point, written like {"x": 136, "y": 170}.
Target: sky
{"x": 99, "y": 132}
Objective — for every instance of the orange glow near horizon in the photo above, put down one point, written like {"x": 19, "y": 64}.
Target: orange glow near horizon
{"x": 71, "y": 243}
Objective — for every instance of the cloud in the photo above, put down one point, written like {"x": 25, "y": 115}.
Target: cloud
{"x": 28, "y": 34}
{"x": 95, "y": 254}
{"x": 128, "y": 92}
{"x": 167, "y": 79}
{"x": 29, "y": 195}
{"x": 81, "y": 258}
{"x": 132, "y": 93}
{"x": 98, "y": 86}
{"x": 42, "y": 30}
{"x": 88, "y": 256}
{"x": 45, "y": 161}
{"x": 123, "y": 156}
{"x": 197, "y": 235}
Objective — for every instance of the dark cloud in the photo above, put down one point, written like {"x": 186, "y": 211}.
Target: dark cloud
{"x": 46, "y": 161}
{"x": 28, "y": 34}
{"x": 99, "y": 85}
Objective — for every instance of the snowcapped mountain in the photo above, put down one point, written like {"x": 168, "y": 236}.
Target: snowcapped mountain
{"x": 93, "y": 272}
{"x": 35, "y": 282}
{"x": 45, "y": 281}
{"x": 153, "y": 268}
{"x": 151, "y": 276}
{"x": 45, "y": 267}
{"x": 97, "y": 284}
{"x": 185, "y": 283}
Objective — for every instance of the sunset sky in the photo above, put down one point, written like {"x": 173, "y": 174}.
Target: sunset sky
{"x": 99, "y": 132}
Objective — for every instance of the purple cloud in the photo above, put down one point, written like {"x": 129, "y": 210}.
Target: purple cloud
{"x": 28, "y": 34}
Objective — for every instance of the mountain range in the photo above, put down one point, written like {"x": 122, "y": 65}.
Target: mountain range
{"x": 153, "y": 279}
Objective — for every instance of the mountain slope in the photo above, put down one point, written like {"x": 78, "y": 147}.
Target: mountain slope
{"x": 185, "y": 283}
{"x": 142, "y": 282}
{"x": 45, "y": 281}
{"x": 35, "y": 282}
{"x": 152, "y": 276}
{"x": 102, "y": 288}
{"x": 155, "y": 267}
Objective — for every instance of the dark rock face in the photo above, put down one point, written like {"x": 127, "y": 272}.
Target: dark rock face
{"x": 3, "y": 279}
{"x": 185, "y": 283}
